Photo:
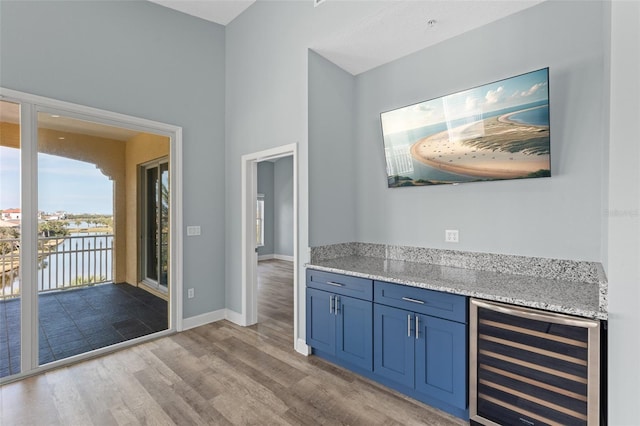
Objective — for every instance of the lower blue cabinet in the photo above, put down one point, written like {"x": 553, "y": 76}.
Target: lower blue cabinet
{"x": 441, "y": 360}
{"x": 394, "y": 347}
{"x": 340, "y": 326}
{"x": 321, "y": 321}
{"x": 421, "y": 352}
{"x": 410, "y": 339}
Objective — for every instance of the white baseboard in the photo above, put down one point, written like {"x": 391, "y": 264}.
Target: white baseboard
{"x": 275, "y": 256}
{"x": 235, "y": 317}
{"x": 203, "y": 319}
{"x": 283, "y": 257}
{"x": 301, "y": 347}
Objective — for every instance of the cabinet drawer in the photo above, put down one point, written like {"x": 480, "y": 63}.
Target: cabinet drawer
{"x": 346, "y": 285}
{"x": 435, "y": 303}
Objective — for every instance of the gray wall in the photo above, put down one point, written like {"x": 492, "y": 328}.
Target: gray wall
{"x": 623, "y": 215}
{"x": 558, "y": 217}
{"x": 267, "y": 83}
{"x": 147, "y": 61}
{"x": 283, "y": 206}
{"x": 332, "y": 151}
{"x": 265, "y": 187}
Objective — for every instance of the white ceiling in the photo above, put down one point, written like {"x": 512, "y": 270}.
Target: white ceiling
{"x": 218, "y": 11}
{"x": 385, "y": 30}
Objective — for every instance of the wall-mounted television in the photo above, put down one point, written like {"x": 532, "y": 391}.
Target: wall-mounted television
{"x": 495, "y": 131}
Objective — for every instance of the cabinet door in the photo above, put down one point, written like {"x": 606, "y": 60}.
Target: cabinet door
{"x": 393, "y": 343}
{"x": 321, "y": 321}
{"x": 354, "y": 334}
{"x": 441, "y": 360}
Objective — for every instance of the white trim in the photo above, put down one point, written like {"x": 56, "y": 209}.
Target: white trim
{"x": 235, "y": 318}
{"x": 302, "y": 348}
{"x": 203, "y": 319}
{"x": 29, "y": 237}
{"x": 284, "y": 257}
{"x": 276, "y": 256}
{"x": 32, "y": 103}
{"x": 176, "y": 219}
{"x": 249, "y": 176}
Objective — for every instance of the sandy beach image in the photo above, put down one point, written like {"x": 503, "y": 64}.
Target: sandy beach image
{"x": 493, "y": 148}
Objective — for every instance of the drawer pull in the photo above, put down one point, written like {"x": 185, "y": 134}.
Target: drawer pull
{"x": 408, "y": 299}
{"x": 335, "y": 284}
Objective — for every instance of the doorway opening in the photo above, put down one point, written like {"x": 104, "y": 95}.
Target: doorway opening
{"x": 251, "y": 223}
{"x": 70, "y": 272}
{"x": 274, "y": 240}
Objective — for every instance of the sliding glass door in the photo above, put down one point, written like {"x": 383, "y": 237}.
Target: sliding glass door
{"x": 155, "y": 219}
{"x": 74, "y": 232}
{"x": 10, "y": 238}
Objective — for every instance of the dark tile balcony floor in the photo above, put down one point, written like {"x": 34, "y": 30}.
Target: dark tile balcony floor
{"x": 77, "y": 321}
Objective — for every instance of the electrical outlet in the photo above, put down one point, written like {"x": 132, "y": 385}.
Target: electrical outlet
{"x": 191, "y": 293}
{"x": 451, "y": 236}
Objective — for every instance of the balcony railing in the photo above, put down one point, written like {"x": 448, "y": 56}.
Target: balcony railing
{"x": 63, "y": 262}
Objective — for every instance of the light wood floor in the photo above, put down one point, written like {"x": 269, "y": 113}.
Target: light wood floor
{"x": 215, "y": 374}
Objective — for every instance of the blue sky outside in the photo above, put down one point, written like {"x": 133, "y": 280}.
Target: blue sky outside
{"x": 63, "y": 184}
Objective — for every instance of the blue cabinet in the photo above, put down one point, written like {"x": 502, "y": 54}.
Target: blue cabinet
{"x": 411, "y": 339}
{"x": 321, "y": 321}
{"x": 419, "y": 351}
{"x": 339, "y": 325}
{"x": 441, "y": 360}
{"x": 394, "y": 347}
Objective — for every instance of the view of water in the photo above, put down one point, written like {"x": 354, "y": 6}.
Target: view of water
{"x": 77, "y": 257}
{"x": 537, "y": 116}
{"x": 80, "y": 255}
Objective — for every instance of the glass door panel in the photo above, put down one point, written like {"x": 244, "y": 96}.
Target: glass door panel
{"x": 88, "y": 296}
{"x": 10, "y": 239}
{"x": 155, "y": 218}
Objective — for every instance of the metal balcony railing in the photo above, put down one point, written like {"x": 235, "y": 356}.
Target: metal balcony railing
{"x": 63, "y": 262}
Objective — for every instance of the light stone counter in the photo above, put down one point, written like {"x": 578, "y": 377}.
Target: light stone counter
{"x": 582, "y": 298}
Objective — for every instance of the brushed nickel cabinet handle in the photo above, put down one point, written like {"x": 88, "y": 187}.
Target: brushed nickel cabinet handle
{"x": 417, "y": 328}
{"x": 337, "y": 307}
{"x": 408, "y": 299}
{"x": 409, "y": 325}
{"x": 331, "y": 304}
{"x": 335, "y": 284}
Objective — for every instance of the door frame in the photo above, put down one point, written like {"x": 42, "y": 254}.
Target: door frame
{"x": 249, "y": 167}
{"x": 30, "y": 106}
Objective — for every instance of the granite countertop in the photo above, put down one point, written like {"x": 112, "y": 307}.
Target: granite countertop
{"x": 569, "y": 297}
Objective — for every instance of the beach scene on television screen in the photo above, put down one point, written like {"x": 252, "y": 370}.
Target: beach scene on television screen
{"x": 492, "y": 132}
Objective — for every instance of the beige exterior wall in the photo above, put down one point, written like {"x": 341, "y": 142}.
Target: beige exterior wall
{"x": 139, "y": 150}
{"x": 119, "y": 161}
{"x": 106, "y": 154}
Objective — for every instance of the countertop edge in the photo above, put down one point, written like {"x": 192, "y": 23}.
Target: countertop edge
{"x": 448, "y": 288}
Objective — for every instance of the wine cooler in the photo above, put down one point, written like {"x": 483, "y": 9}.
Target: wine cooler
{"x": 530, "y": 367}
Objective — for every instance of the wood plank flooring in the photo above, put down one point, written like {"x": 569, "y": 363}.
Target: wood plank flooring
{"x": 217, "y": 374}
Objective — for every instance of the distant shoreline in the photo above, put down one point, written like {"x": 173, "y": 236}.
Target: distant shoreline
{"x": 463, "y": 151}
{"x": 506, "y": 118}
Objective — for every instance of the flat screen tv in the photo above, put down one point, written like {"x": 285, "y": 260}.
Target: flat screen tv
{"x": 495, "y": 131}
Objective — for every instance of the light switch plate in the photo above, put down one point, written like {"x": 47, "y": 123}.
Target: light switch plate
{"x": 193, "y": 230}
